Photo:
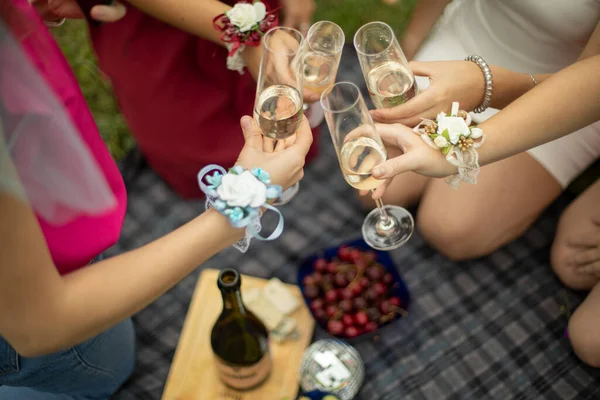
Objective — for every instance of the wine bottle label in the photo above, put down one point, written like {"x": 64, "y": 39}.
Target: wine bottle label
{"x": 242, "y": 378}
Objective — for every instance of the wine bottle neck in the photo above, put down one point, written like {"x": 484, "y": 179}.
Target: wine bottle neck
{"x": 232, "y": 301}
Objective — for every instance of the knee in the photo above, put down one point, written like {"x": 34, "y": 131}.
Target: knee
{"x": 457, "y": 238}
{"x": 585, "y": 339}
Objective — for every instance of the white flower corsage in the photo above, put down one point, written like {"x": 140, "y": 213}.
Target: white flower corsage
{"x": 457, "y": 140}
{"x": 239, "y": 195}
{"x": 244, "y": 25}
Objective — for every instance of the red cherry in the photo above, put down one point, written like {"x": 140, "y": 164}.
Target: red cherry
{"x": 386, "y": 307}
{"x": 311, "y": 291}
{"x": 375, "y": 272}
{"x": 347, "y": 293}
{"x": 331, "y": 296}
{"x": 361, "y": 318}
{"x": 308, "y": 280}
{"x": 332, "y": 267}
{"x": 335, "y": 327}
{"x": 365, "y": 282}
{"x": 395, "y": 301}
{"x": 370, "y": 326}
{"x": 347, "y": 320}
{"x": 345, "y": 305}
{"x": 356, "y": 255}
{"x": 379, "y": 289}
{"x": 320, "y": 315}
{"x": 388, "y": 279}
{"x": 351, "y": 332}
{"x": 360, "y": 303}
{"x": 340, "y": 280}
{"x": 320, "y": 265}
{"x": 355, "y": 289}
{"x": 344, "y": 253}
{"x": 317, "y": 304}
{"x": 331, "y": 311}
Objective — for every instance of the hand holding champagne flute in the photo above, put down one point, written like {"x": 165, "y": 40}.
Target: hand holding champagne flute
{"x": 389, "y": 79}
{"x": 278, "y": 104}
{"x": 359, "y": 149}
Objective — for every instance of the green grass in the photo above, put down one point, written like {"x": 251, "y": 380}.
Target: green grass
{"x": 73, "y": 39}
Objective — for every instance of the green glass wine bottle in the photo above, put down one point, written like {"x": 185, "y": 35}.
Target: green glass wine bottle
{"x": 239, "y": 339}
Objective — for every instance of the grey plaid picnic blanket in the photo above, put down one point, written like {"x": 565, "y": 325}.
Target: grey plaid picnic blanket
{"x": 491, "y": 328}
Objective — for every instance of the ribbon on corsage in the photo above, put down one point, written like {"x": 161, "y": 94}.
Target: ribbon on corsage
{"x": 244, "y": 25}
{"x": 240, "y": 195}
{"x": 457, "y": 140}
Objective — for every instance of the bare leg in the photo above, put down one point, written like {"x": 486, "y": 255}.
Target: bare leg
{"x": 405, "y": 190}
{"x": 584, "y": 329}
{"x": 477, "y": 219}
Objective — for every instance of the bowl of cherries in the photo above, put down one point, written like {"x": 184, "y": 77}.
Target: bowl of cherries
{"x": 352, "y": 290}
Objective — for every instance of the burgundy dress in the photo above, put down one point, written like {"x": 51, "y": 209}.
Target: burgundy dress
{"x": 181, "y": 102}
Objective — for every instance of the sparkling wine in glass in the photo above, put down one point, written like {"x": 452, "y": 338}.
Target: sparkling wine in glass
{"x": 324, "y": 43}
{"x": 278, "y": 106}
{"x": 359, "y": 148}
{"x": 389, "y": 79}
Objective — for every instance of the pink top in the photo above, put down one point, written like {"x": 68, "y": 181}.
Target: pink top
{"x": 74, "y": 244}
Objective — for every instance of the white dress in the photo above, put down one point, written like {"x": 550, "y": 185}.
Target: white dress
{"x": 529, "y": 36}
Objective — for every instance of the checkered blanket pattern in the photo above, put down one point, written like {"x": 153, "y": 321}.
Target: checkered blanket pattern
{"x": 486, "y": 329}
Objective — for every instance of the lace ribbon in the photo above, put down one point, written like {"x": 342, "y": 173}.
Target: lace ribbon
{"x": 252, "y": 220}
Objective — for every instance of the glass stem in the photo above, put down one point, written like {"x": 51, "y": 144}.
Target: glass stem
{"x": 383, "y": 215}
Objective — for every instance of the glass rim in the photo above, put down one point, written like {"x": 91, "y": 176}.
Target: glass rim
{"x": 310, "y": 32}
{"x": 389, "y": 28}
{"x": 328, "y": 91}
{"x": 288, "y": 29}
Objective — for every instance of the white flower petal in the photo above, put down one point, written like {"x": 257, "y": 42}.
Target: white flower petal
{"x": 260, "y": 10}
{"x": 476, "y": 133}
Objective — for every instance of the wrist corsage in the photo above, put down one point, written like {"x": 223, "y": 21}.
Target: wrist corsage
{"x": 457, "y": 140}
{"x": 244, "y": 25}
{"x": 240, "y": 195}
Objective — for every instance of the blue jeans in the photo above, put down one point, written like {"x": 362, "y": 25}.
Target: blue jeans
{"x": 94, "y": 369}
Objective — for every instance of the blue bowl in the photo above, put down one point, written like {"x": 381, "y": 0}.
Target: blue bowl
{"x": 399, "y": 288}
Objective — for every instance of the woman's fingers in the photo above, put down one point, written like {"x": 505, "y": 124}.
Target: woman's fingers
{"x": 394, "y": 166}
{"x": 252, "y": 133}
{"x": 409, "y": 112}
{"x": 381, "y": 189}
{"x": 110, "y": 13}
{"x": 304, "y": 137}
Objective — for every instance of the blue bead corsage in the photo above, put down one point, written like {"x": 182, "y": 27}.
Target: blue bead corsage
{"x": 240, "y": 194}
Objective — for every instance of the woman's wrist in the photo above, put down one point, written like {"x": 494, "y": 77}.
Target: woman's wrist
{"x": 212, "y": 220}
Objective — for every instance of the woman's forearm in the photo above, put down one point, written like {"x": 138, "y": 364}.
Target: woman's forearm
{"x": 193, "y": 16}
{"x": 510, "y": 85}
{"x": 567, "y": 101}
{"x": 424, "y": 17}
{"x": 97, "y": 298}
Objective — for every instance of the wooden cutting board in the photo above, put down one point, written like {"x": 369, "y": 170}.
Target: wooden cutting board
{"x": 193, "y": 374}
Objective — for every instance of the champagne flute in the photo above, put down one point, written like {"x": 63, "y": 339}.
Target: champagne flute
{"x": 278, "y": 105}
{"x": 359, "y": 148}
{"x": 389, "y": 79}
{"x": 324, "y": 44}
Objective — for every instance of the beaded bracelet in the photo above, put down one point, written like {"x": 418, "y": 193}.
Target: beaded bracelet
{"x": 457, "y": 140}
{"x": 240, "y": 195}
{"x": 487, "y": 75}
